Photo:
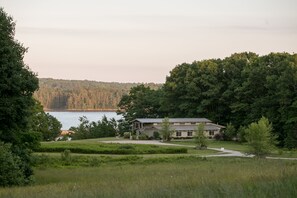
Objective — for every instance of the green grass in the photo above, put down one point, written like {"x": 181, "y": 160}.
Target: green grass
{"x": 96, "y": 147}
{"x": 167, "y": 177}
{"x": 242, "y": 147}
{"x": 216, "y": 144}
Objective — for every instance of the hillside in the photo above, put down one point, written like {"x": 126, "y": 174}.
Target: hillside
{"x": 82, "y": 94}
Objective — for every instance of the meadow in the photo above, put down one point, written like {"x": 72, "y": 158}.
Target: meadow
{"x": 97, "y": 147}
{"x": 176, "y": 177}
{"x": 157, "y": 174}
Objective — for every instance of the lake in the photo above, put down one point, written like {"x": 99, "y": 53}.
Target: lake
{"x": 69, "y": 119}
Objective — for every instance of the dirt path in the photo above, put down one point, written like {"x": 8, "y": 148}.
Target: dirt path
{"x": 222, "y": 152}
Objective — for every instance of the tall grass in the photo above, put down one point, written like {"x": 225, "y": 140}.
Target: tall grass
{"x": 93, "y": 147}
{"x": 181, "y": 177}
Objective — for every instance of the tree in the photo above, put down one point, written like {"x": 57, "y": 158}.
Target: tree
{"x": 99, "y": 129}
{"x": 260, "y": 138}
{"x": 17, "y": 85}
{"x": 230, "y": 132}
{"x": 166, "y": 130}
{"x": 44, "y": 124}
{"x": 141, "y": 102}
{"x": 200, "y": 138}
{"x": 238, "y": 89}
{"x": 10, "y": 172}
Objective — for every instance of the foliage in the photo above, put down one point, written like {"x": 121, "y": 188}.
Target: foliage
{"x": 218, "y": 136}
{"x": 104, "y": 148}
{"x": 10, "y": 167}
{"x": 173, "y": 177}
{"x": 230, "y": 132}
{"x": 200, "y": 138}
{"x": 143, "y": 137}
{"x": 166, "y": 131}
{"x": 17, "y": 85}
{"x": 57, "y": 94}
{"x": 127, "y": 135}
{"x": 141, "y": 102}
{"x": 44, "y": 124}
{"x": 66, "y": 156}
{"x": 260, "y": 138}
{"x": 156, "y": 135}
{"x": 87, "y": 130}
{"x": 237, "y": 89}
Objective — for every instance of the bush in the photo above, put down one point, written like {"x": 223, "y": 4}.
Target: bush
{"x": 126, "y": 146}
{"x": 218, "y": 136}
{"x": 126, "y": 135}
{"x": 66, "y": 156}
{"x": 142, "y": 137}
{"x": 11, "y": 172}
{"x": 156, "y": 135}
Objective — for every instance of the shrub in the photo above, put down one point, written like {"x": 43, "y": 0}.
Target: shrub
{"x": 156, "y": 135}
{"x": 126, "y": 146}
{"x": 143, "y": 137}
{"x": 66, "y": 156}
{"x": 126, "y": 135}
{"x": 11, "y": 172}
{"x": 218, "y": 136}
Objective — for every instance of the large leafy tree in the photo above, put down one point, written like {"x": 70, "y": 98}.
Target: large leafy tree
{"x": 239, "y": 89}
{"x": 45, "y": 125}
{"x": 141, "y": 102}
{"x": 17, "y": 84}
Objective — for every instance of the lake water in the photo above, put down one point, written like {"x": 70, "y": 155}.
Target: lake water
{"x": 69, "y": 119}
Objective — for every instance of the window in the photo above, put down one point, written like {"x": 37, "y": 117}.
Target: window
{"x": 190, "y": 133}
{"x": 211, "y": 132}
{"x": 178, "y": 134}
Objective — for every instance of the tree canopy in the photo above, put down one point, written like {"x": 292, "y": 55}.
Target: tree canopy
{"x": 239, "y": 89}
{"x": 17, "y": 85}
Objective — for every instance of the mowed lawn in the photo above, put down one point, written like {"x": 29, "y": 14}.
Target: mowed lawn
{"x": 182, "y": 177}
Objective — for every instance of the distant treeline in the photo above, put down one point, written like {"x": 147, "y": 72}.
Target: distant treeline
{"x": 82, "y": 94}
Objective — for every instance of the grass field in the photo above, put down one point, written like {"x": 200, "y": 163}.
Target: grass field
{"x": 242, "y": 147}
{"x": 149, "y": 171}
{"x": 97, "y": 147}
{"x": 178, "y": 177}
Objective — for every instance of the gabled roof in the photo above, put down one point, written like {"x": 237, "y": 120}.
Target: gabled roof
{"x": 173, "y": 120}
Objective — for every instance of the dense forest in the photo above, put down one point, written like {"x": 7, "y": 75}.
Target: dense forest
{"x": 82, "y": 95}
{"x": 238, "y": 90}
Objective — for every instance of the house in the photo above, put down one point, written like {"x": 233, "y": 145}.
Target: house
{"x": 182, "y": 127}
{"x": 65, "y": 134}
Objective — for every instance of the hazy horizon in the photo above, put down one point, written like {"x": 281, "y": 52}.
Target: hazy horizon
{"x": 142, "y": 41}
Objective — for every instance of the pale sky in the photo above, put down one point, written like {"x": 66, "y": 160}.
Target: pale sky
{"x": 141, "y": 41}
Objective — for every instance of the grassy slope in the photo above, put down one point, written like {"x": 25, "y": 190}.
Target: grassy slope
{"x": 184, "y": 177}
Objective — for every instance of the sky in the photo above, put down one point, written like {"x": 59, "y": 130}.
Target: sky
{"x": 141, "y": 40}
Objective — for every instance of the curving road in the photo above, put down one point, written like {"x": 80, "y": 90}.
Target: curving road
{"x": 223, "y": 152}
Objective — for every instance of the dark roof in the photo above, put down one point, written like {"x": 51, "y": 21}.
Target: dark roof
{"x": 207, "y": 127}
{"x": 173, "y": 120}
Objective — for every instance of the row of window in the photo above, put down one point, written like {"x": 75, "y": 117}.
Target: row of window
{"x": 190, "y": 133}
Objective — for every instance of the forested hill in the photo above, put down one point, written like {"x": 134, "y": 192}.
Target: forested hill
{"x": 82, "y": 94}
